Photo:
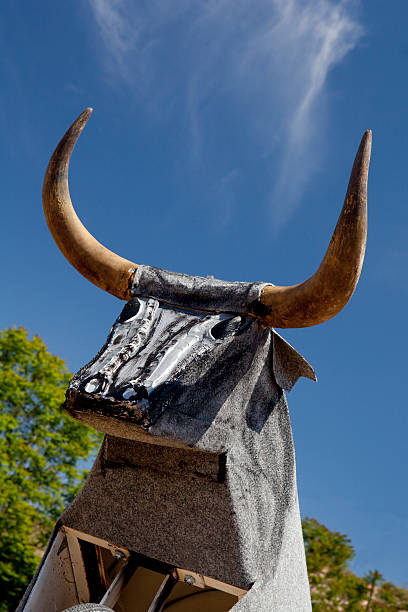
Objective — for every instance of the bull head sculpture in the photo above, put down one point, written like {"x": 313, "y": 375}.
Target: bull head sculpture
{"x": 312, "y": 302}
{"x": 194, "y": 367}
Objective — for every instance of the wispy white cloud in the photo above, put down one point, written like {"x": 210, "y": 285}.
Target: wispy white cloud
{"x": 270, "y": 60}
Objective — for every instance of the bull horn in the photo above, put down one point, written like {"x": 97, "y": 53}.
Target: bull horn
{"x": 325, "y": 293}
{"x": 94, "y": 261}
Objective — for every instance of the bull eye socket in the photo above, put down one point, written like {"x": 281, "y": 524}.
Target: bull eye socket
{"x": 226, "y": 328}
{"x": 129, "y": 311}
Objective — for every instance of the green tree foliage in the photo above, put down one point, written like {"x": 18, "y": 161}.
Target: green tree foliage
{"x": 386, "y": 597}
{"x": 334, "y": 587}
{"x": 40, "y": 447}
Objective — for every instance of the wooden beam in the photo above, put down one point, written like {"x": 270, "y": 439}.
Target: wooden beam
{"x": 198, "y": 580}
{"x": 78, "y": 567}
{"x": 98, "y": 541}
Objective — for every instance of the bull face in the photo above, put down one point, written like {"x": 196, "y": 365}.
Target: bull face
{"x": 150, "y": 346}
{"x": 157, "y": 356}
{"x": 168, "y": 371}
{"x": 150, "y": 350}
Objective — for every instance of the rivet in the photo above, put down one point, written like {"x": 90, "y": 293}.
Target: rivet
{"x": 189, "y": 579}
{"x": 119, "y": 554}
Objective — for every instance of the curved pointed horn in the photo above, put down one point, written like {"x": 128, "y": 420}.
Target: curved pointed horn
{"x": 325, "y": 293}
{"x": 97, "y": 263}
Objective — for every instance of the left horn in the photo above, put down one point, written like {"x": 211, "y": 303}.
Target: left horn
{"x": 325, "y": 293}
{"x": 94, "y": 261}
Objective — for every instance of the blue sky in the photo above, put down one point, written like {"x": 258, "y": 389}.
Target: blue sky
{"x": 221, "y": 143}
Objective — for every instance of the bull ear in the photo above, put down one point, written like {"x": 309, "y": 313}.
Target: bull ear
{"x": 325, "y": 293}
{"x": 94, "y": 261}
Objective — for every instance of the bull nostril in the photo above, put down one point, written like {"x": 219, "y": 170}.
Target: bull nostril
{"x": 128, "y": 393}
{"x": 117, "y": 339}
{"x": 92, "y": 385}
{"x": 135, "y": 392}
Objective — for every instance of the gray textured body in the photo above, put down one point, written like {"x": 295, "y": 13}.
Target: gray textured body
{"x": 198, "y": 468}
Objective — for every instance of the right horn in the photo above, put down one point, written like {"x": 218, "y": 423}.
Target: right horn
{"x": 325, "y": 293}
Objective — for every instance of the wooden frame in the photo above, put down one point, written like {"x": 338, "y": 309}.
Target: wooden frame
{"x": 113, "y": 591}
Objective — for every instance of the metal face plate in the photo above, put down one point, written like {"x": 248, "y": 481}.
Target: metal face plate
{"x": 148, "y": 349}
